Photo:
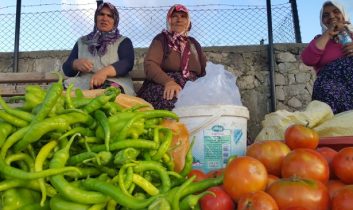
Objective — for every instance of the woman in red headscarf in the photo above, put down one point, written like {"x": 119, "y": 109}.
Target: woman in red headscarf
{"x": 173, "y": 58}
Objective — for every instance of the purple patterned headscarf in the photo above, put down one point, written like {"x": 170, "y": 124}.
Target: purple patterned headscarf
{"x": 98, "y": 41}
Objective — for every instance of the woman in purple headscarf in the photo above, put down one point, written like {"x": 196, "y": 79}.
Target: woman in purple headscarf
{"x": 332, "y": 59}
{"x": 103, "y": 57}
{"x": 173, "y": 58}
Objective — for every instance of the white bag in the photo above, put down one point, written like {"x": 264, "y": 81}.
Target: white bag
{"x": 217, "y": 87}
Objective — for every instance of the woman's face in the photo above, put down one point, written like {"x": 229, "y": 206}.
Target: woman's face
{"x": 105, "y": 20}
{"x": 179, "y": 22}
{"x": 331, "y": 15}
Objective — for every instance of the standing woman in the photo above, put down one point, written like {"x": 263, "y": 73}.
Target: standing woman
{"x": 102, "y": 58}
{"x": 332, "y": 61}
{"x": 173, "y": 58}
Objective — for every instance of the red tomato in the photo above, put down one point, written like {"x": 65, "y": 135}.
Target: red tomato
{"x": 259, "y": 200}
{"x": 342, "y": 164}
{"x": 296, "y": 208}
{"x": 298, "y": 192}
{"x": 271, "y": 179}
{"x": 328, "y": 153}
{"x": 333, "y": 186}
{"x": 215, "y": 173}
{"x": 305, "y": 163}
{"x": 244, "y": 175}
{"x": 270, "y": 153}
{"x": 299, "y": 136}
{"x": 221, "y": 201}
{"x": 343, "y": 199}
{"x": 200, "y": 175}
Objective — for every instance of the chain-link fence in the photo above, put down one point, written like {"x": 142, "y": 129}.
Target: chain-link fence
{"x": 58, "y": 26}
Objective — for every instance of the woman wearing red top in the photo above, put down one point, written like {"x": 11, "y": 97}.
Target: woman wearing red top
{"x": 332, "y": 61}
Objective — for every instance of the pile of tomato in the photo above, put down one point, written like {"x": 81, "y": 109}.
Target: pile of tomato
{"x": 292, "y": 174}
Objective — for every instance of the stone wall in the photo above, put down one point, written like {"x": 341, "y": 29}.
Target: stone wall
{"x": 293, "y": 80}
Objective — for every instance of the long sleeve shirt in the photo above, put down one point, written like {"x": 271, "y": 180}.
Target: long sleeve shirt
{"x": 122, "y": 67}
{"x": 156, "y": 63}
{"x": 317, "y": 58}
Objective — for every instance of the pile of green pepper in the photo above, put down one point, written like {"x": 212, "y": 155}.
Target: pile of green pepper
{"x": 59, "y": 151}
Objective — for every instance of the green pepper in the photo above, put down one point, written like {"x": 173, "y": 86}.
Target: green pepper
{"x": 23, "y": 115}
{"x": 124, "y": 156}
{"x": 194, "y": 187}
{"x": 21, "y": 174}
{"x": 127, "y": 129}
{"x": 112, "y": 108}
{"x": 43, "y": 153}
{"x": 178, "y": 193}
{"x": 142, "y": 166}
{"x": 67, "y": 190}
{"x": 188, "y": 161}
{"x": 59, "y": 203}
{"x": 36, "y": 206}
{"x": 134, "y": 143}
{"x": 144, "y": 184}
{"x": 13, "y": 120}
{"x": 115, "y": 193}
{"x": 116, "y": 123}
{"x": 34, "y": 95}
{"x": 160, "y": 204}
{"x": 21, "y": 157}
{"x": 30, "y": 184}
{"x": 50, "y": 100}
{"x": 192, "y": 200}
{"x": 68, "y": 99}
{"x": 18, "y": 197}
{"x": 164, "y": 146}
{"x": 81, "y": 130}
{"x": 103, "y": 121}
{"x": 5, "y": 130}
{"x": 109, "y": 95}
{"x": 61, "y": 122}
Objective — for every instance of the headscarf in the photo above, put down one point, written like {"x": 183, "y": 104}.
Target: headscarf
{"x": 179, "y": 42}
{"x": 97, "y": 40}
{"x": 343, "y": 11}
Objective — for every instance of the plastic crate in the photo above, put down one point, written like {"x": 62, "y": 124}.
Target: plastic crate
{"x": 337, "y": 142}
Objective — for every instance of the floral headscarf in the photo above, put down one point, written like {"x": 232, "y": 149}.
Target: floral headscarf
{"x": 179, "y": 42}
{"x": 343, "y": 11}
{"x": 98, "y": 41}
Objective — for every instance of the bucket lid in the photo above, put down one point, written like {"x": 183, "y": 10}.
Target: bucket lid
{"x": 207, "y": 110}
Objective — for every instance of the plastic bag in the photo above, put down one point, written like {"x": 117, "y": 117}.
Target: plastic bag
{"x": 275, "y": 123}
{"x": 217, "y": 87}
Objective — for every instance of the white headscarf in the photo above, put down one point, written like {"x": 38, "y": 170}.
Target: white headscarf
{"x": 343, "y": 11}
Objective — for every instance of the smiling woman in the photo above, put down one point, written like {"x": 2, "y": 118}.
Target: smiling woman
{"x": 331, "y": 59}
{"x": 173, "y": 58}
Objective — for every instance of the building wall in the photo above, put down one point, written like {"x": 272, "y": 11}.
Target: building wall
{"x": 293, "y": 80}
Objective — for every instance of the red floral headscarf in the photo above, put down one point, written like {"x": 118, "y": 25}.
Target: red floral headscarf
{"x": 179, "y": 42}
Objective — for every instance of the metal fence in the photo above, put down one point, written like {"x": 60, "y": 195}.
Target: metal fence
{"x": 58, "y": 26}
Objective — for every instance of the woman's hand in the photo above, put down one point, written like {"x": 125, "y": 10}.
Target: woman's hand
{"x": 100, "y": 76}
{"x": 83, "y": 65}
{"x": 348, "y": 49}
{"x": 171, "y": 89}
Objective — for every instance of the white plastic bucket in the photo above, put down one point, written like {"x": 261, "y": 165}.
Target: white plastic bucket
{"x": 219, "y": 132}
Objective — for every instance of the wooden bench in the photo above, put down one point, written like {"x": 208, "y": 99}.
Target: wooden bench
{"x": 14, "y": 84}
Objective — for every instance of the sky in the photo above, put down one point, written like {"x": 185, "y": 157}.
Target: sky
{"x": 308, "y": 10}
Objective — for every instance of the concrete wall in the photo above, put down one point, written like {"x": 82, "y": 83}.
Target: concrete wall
{"x": 293, "y": 80}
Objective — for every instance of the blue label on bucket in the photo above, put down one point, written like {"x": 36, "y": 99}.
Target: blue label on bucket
{"x": 237, "y": 135}
{"x": 216, "y": 145}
